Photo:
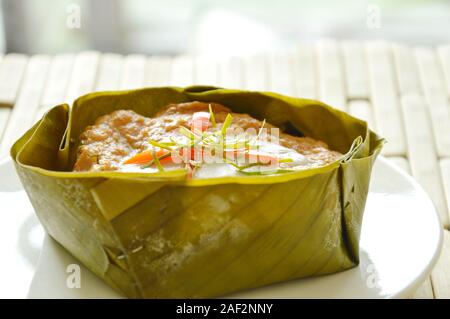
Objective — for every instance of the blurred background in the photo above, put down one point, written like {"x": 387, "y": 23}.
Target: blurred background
{"x": 213, "y": 26}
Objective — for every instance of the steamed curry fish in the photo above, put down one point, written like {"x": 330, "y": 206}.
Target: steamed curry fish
{"x": 173, "y": 204}
{"x": 206, "y": 139}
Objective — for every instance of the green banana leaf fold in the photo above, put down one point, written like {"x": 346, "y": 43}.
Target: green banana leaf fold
{"x": 161, "y": 235}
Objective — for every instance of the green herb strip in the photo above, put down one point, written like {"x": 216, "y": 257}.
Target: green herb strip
{"x": 212, "y": 139}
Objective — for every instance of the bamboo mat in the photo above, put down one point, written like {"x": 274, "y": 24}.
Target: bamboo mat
{"x": 403, "y": 93}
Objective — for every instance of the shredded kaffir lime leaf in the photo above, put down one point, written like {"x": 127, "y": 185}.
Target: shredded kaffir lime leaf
{"x": 217, "y": 139}
{"x": 188, "y": 133}
{"x": 226, "y": 124}
{"x": 261, "y": 129}
{"x": 163, "y": 145}
{"x": 211, "y": 116}
{"x": 157, "y": 162}
{"x": 156, "y": 158}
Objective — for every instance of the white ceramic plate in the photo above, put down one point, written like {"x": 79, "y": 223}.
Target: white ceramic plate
{"x": 400, "y": 241}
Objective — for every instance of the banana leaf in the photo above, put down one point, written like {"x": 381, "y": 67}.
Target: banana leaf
{"x": 160, "y": 235}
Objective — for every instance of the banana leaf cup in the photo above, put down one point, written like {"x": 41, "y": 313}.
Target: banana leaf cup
{"x": 161, "y": 235}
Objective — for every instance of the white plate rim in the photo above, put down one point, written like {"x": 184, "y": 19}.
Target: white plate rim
{"x": 412, "y": 287}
